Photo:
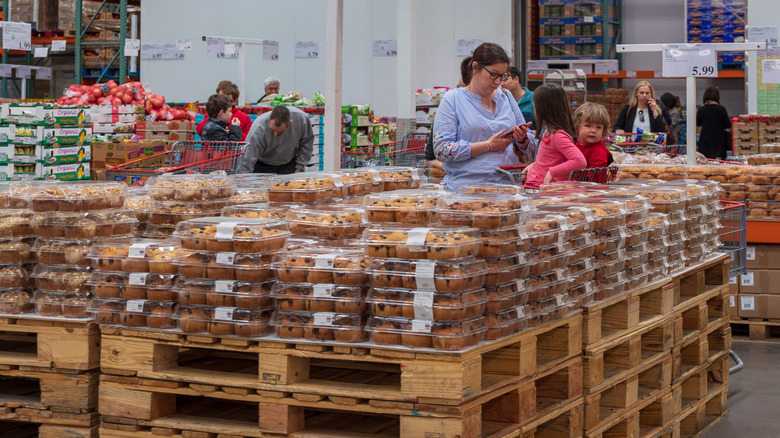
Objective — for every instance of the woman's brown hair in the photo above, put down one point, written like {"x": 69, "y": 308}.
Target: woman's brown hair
{"x": 711, "y": 94}
{"x": 484, "y": 55}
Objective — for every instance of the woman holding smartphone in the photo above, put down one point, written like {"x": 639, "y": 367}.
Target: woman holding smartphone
{"x": 642, "y": 112}
{"x": 475, "y": 125}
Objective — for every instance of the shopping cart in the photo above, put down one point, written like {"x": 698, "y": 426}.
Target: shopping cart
{"x": 733, "y": 235}
{"x": 514, "y": 172}
{"x": 184, "y": 157}
{"x": 601, "y": 175}
{"x": 408, "y": 152}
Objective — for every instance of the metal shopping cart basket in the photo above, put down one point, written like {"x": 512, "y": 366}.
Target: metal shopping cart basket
{"x": 733, "y": 235}
{"x": 408, "y": 152}
{"x": 184, "y": 157}
{"x": 514, "y": 172}
{"x": 601, "y": 175}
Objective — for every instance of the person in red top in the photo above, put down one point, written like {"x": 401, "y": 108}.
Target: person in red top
{"x": 591, "y": 121}
{"x": 239, "y": 118}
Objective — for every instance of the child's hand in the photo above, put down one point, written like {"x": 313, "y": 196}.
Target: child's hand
{"x": 498, "y": 144}
{"x": 528, "y": 168}
{"x": 236, "y": 122}
{"x": 547, "y": 178}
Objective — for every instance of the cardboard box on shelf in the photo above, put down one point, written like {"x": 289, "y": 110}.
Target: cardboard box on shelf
{"x": 119, "y": 152}
{"x": 760, "y": 281}
{"x": 65, "y": 172}
{"x": 47, "y": 13}
{"x": 732, "y": 304}
{"x": 759, "y": 306}
{"x": 166, "y": 135}
{"x": 64, "y": 154}
{"x": 763, "y": 256}
{"x": 172, "y": 125}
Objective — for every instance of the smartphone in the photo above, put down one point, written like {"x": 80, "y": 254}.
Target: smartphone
{"x": 506, "y": 134}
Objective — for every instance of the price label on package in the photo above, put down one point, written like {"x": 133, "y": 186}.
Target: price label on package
{"x": 183, "y": 44}
{"x": 17, "y": 36}
{"x": 270, "y": 50}
{"x": 226, "y": 258}
{"x": 760, "y": 34}
{"x": 224, "y": 313}
{"x": 770, "y": 71}
{"x": 686, "y": 60}
{"x": 215, "y": 47}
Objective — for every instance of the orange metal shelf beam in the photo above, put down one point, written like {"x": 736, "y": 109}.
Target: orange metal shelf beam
{"x": 763, "y": 231}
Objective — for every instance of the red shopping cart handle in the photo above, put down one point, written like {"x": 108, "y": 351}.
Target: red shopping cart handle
{"x": 514, "y": 166}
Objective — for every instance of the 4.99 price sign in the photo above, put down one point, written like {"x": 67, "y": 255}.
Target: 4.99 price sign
{"x": 689, "y": 60}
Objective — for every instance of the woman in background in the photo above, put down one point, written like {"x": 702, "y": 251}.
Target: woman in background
{"x": 642, "y": 112}
{"x": 715, "y": 126}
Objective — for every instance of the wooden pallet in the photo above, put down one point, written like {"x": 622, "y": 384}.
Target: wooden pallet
{"x": 606, "y": 320}
{"x": 565, "y": 422}
{"x": 709, "y": 345}
{"x": 55, "y": 345}
{"x": 653, "y": 417}
{"x": 347, "y": 374}
{"x": 701, "y": 417}
{"x": 13, "y": 429}
{"x": 703, "y": 382}
{"x": 611, "y": 362}
{"x": 701, "y": 313}
{"x": 611, "y": 402}
{"x": 757, "y": 329}
{"x": 693, "y": 281}
{"x": 76, "y": 393}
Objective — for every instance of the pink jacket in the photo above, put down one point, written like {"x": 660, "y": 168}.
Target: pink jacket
{"x": 558, "y": 155}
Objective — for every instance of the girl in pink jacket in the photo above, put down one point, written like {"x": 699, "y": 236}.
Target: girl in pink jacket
{"x": 557, "y": 156}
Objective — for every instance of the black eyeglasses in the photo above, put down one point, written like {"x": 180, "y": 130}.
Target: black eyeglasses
{"x": 494, "y": 76}
{"x": 642, "y": 116}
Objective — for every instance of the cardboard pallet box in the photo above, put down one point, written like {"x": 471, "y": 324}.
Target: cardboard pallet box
{"x": 759, "y": 306}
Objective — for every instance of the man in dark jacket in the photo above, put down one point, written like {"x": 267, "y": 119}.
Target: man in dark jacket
{"x": 218, "y": 126}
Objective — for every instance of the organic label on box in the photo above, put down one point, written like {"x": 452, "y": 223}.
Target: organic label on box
{"x": 747, "y": 302}
{"x": 747, "y": 279}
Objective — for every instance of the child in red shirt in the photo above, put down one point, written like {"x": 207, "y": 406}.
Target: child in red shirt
{"x": 591, "y": 121}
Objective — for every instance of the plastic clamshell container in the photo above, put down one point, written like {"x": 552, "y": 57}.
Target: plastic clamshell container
{"x": 361, "y": 181}
{"x": 327, "y": 221}
{"x": 699, "y": 190}
{"x": 140, "y": 204}
{"x": 544, "y": 228}
{"x": 440, "y": 335}
{"x": 432, "y": 306}
{"x": 135, "y": 255}
{"x": 637, "y": 275}
{"x": 401, "y": 178}
{"x": 583, "y": 246}
{"x": 250, "y": 180}
{"x": 85, "y": 225}
{"x": 694, "y": 254}
{"x": 322, "y": 265}
{"x": 17, "y": 250}
{"x": 506, "y": 295}
{"x": 320, "y": 297}
{"x": 224, "y": 265}
{"x": 580, "y": 295}
{"x": 441, "y": 275}
{"x": 549, "y": 258}
{"x": 62, "y": 252}
{"x": 133, "y": 313}
{"x": 223, "y": 320}
{"x": 510, "y": 189}
{"x": 232, "y": 234}
{"x": 611, "y": 239}
{"x": 156, "y": 231}
{"x": 258, "y": 211}
{"x": 402, "y": 206}
{"x": 320, "y": 326}
{"x": 249, "y": 195}
{"x": 231, "y": 293}
{"x": 57, "y": 278}
{"x": 580, "y": 219}
{"x": 664, "y": 199}
{"x": 610, "y": 285}
{"x": 548, "y": 309}
{"x": 548, "y": 284}
{"x": 170, "y": 213}
{"x": 506, "y": 322}
{"x": 62, "y": 305}
{"x": 607, "y": 213}
{"x": 16, "y": 301}
{"x": 500, "y": 241}
{"x": 506, "y": 268}
{"x": 483, "y": 210}
{"x": 637, "y": 259}
{"x": 582, "y": 272}
{"x": 305, "y": 187}
{"x": 636, "y": 207}
{"x": 421, "y": 243}
{"x": 60, "y": 196}
{"x": 206, "y": 187}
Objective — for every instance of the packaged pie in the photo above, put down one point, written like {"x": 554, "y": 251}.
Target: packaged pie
{"x": 258, "y": 211}
{"x": 402, "y": 206}
{"x": 327, "y": 221}
{"x": 429, "y": 275}
{"x": 62, "y": 304}
{"x": 215, "y": 265}
{"x": 427, "y": 305}
{"x": 16, "y": 301}
{"x": 232, "y": 234}
{"x": 134, "y": 313}
{"x": 320, "y": 297}
{"x": 421, "y": 243}
{"x": 223, "y": 320}
{"x": 188, "y": 188}
{"x": 400, "y": 178}
{"x": 483, "y": 210}
{"x": 305, "y": 187}
{"x": 17, "y": 250}
{"x": 506, "y": 322}
{"x": 320, "y": 326}
{"x": 135, "y": 255}
{"x": 507, "y": 295}
{"x": 60, "y": 196}
{"x": 54, "y": 278}
{"x": 322, "y": 265}
{"x": 231, "y": 293}
{"x": 440, "y": 335}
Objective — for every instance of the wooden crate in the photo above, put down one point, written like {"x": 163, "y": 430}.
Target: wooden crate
{"x": 14, "y": 429}
{"x": 692, "y": 355}
{"x": 702, "y": 383}
{"x": 699, "y": 279}
{"x": 757, "y": 329}
{"x": 700, "y": 314}
{"x": 49, "y": 345}
{"x": 701, "y": 417}
{"x": 564, "y": 422}
{"x": 653, "y": 417}
{"x": 72, "y": 393}
{"x": 384, "y": 376}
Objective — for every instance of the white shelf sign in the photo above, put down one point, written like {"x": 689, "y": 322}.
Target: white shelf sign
{"x": 689, "y": 60}
{"x": 23, "y": 72}
{"x": 761, "y": 34}
{"x": 58, "y": 45}
{"x": 606, "y": 67}
{"x": 184, "y": 44}
{"x": 307, "y": 49}
{"x": 41, "y": 52}
{"x": 770, "y": 72}
{"x": 467, "y": 47}
{"x": 16, "y": 36}
{"x": 384, "y": 48}
{"x": 270, "y": 50}
{"x": 231, "y": 51}
{"x": 43, "y": 73}
{"x": 132, "y": 46}
{"x": 6, "y": 71}
{"x": 215, "y": 47}
{"x": 535, "y": 65}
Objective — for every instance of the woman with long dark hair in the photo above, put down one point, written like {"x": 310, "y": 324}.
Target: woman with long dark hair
{"x": 715, "y": 134}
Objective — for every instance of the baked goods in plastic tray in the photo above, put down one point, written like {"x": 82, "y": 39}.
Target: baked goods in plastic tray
{"x": 322, "y": 265}
{"x": 583, "y": 246}
{"x": 510, "y": 189}
{"x": 224, "y": 265}
{"x": 135, "y": 255}
{"x": 637, "y": 275}
{"x": 607, "y": 213}
{"x": 17, "y": 250}
{"x": 16, "y": 276}
{"x": 62, "y": 304}
{"x": 694, "y": 254}
{"x": 580, "y": 219}
{"x": 133, "y": 313}
{"x": 249, "y": 195}
{"x": 140, "y": 204}
{"x": 657, "y": 250}
{"x": 763, "y": 209}
{"x": 610, "y": 285}
{"x": 402, "y": 206}
{"x": 421, "y": 243}
{"x": 59, "y": 196}
{"x": 52, "y": 278}
{"x": 242, "y": 294}
{"x": 582, "y": 270}
{"x": 424, "y": 305}
{"x": 16, "y": 301}
{"x": 483, "y": 210}
{"x": 258, "y": 211}
{"x": 500, "y": 241}
{"x": 720, "y": 173}
{"x": 635, "y": 207}
{"x": 637, "y": 258}
{"x": 361, "y": 181}
{"x": 664, "y": 199}
{"x": 611, "y": 239}
{"x": 85, "y": 225}
{"x": 306, "y": 187}
{"x": 440, "y": 275}
{"x": 16, "y": 223}
{"x": 506, "y": 268}
{"x": 250, "y": 180}
{"x": 580, "y": 295}
{"x": 548, "y": 283}
{"x": 764, "y": 175}
{"x": 327, "y": 221}
{"x": 320, "y": 326}
{"x": 172, "y": 187}
{"x": 548, "y": 309}
{"x": 506, "y": 322}
{"x": 696, "y": 234}
{"x": 224, "y": 320}
{"x": 232, "y": 234}
{"x": 700, "y": 192}
{"x": 549, "y": 257}
{"x": 658, "y": 225}
{"x": 400, "y": 178}
{"x": 320, "y": 297}
{"x": 506, "y": 295}
{"x": 665, "y": 172}
{"x": 170, "y": 213}
{"x": 545, "y": 228}
{"x": 133, "y": 285}
{"x": 440, "y": 335}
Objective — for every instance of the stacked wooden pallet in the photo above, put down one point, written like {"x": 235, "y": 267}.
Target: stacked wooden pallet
{"x": 158, "y": 383}
{"x": 646, "y": 351}
{"x": 48, "y": 378}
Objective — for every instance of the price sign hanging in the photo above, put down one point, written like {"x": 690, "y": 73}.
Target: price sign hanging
{"x": 307, "y": 49}
{"x": 58, "y": 45}
{"x": 184, "y": 44}
{"x": 606, "y": 67}
{"x": 270, "y": 50}
{"x": 385, "y": 48}
{"x": 215, "y": 47}
{"x": 17, "y": 36}
{"x": 23, "y": 72}
{"x": 689, "y": 60}
{"x": 43, "y": 73}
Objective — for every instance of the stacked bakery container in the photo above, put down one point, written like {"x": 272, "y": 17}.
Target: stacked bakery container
{"x": 670, "y": 201}
{"x": 226, "y": 276}
{"x": 69, "y": 219}
{"x": 702, "y": 218}
{"x": 17, "y": 259}
{"x": 140, "y": 202}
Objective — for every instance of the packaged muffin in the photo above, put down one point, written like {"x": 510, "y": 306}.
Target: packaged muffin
{"x": 424, "y": 305}
{"x": 583, "y": 270}
{"x": 134, "y": 313}
{"x": 500, "y": 241}
{"x": 440, "y": 335}
{"x": 507, "y": 295}
{"x": 547, "y": 284}
{"x": 327, "y": 221}
{"x": 611, "y": 239}
{"x": 17, "y": 250}
{"x": 664, "y": 199}
{"x": 506, "y": 268}
{"x": 580, "y": 219}
{"x": 361, "y": 181}
{"x": 16, "y": 276}
{"x": 249, "y": 196}
{"x": 140, "y": 204}
{"x": 106, "y": 284}
{"x": 55, "y": 278}
{"x": 610, "y": 285}
{"x": 223, "y": 320}
{"x": 506, "y": 322}
{"x": 402, "y": 206}
{"x": 170, "y": 213}
{"x": 421, "y": 243}
{"x": 636, "y": 207}
{"x": 145, "y": 285}
{"x": 320, "y": 297}
{"x": 322, "y": 265}
{"x": 637, "y": 276}
{"x": 188, "y": 188}
{"x": 491, "y": 188}
{"x": 224, "y": 265}
{"x": 607, "y": 213}
{"x": 16, "y": 301}
{"x": 400, "y": 178}
{"x": 231, "y": 293}
{"x": 548, "y": 258}
{"x": 483, "y": 210}
{"x": 16, "y": 223}
{"x": 549, "y": 309}
{"x": 135, "y": 255}
{"x": 85, "y": 225}
{"x": 308, "y": 187}
{"x": 60, "y": 196}
{"x": 232, "y": 234}
{"x": 63, "y": 305}
{"x": 320, "y": 326}
{"x": 545, "y": 229}
{"x": 258, "y": 211}
{"x": 441, "y": 275}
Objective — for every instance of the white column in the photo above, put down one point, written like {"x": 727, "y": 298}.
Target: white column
{"x": 690, "y": 117}
{"x": 406, "y": 37}
{"x": 334, "y": 36}
{"x": 241, "y": 73}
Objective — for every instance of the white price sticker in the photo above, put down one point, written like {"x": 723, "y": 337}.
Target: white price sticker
{"x": 732, "y": 301}
{"x": 270, "y": 50}
{"x": 226, "y": 258}
{"x": 137, "y": 279}
{"x": 323, "y": 318}
{"x": 631, "y": 74}
{"x": 559, "y": 300}
{"x": 467, "y": 47}
{"x": 520, "y": 311}
{"x": 423, "y": 306}
{"x": 421, "y": 326}
{"x": 307, "y": 49}
{"x": 225, "y": 230}
{"x": 17, "y": 36}
{"x": 385, "y": 48}
{"x": 588, "y": 20}
{"x": 58, "y": 45}
{"x": 224, "y": 313}
{"x": 231, "y": 51}
{"x": 750, "y": 253}
{"x": 133, "y": 45}
{"x": 184, "y": 44}
{"x": 324, "y": 261}
{"x": 606, "y": 67}
{"x": 138, "y": 250}
{"x": 424, "y": 277}
{"x": 224, "y": 286}
{"x": 747, "y": 279}
{"x": 323, "y": 290}
{"x": 415, "y": 239}
{"x": 41, "y": 52}
{"x": 689, "y": 60}
{"x": 215, "y": 47}
{"x": 733, "y": 280}
{"x": 135, "y": 305}
{"x": 535, "y": 66}
{"x": 747, "y": 303}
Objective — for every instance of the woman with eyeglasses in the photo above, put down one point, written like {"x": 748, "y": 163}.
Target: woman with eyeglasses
{"x": 475, "y": 125}
{"x": 642, "y": 112}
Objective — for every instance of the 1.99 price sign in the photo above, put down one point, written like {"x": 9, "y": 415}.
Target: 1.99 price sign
{"x": 689, "y": 60}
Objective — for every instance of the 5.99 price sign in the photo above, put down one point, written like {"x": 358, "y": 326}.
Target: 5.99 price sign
{"x": 689, "y": 60}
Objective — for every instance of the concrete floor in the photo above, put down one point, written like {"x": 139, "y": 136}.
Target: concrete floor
{"x": 754, "y": 393}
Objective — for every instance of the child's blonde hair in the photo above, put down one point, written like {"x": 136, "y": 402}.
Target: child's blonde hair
{"x": 594, "y": 113}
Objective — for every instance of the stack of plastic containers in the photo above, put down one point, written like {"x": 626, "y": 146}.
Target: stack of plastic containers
{"x": 133, "y": 282}
{"x": 17, "y": 258}
{"x": 251, "y": 188}
{"x": 225, "y": 274}
{"x": 139, "y": 201}
{"x": 702, "y": 209}
{"x": 670, "y": 201}
{"x": 636, "y": 209}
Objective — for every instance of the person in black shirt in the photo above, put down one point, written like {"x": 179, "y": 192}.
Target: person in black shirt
{"x": 715, "y": 126}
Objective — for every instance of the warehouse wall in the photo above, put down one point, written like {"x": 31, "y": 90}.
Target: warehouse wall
{"x": 438, "y": 23}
